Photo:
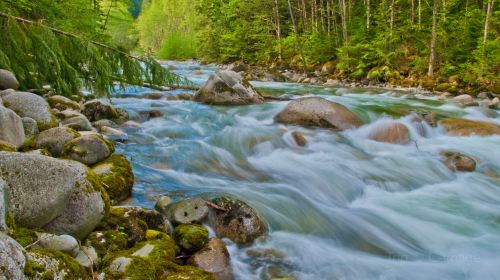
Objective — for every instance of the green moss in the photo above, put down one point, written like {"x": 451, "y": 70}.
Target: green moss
{"x": 23, "y": 236}
{"x": 9, "y": 220}
{"x": 152, "y": 234}
{"x": 28, "y": 145}
{"x": 191, "y": 237}
{"x": 96, "y": 185}
{"x": 66, "y": 263}
{"x": 187, "y": 272}
{"x": 6, "y": 147}
{"x": 44, "y": 125}
{"x": 119, "y": 181}
{"x": 107, "y": 242}
{"x": 34, "y": 269}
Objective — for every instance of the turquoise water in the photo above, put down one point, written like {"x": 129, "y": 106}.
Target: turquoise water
{"x": 343, "y": 207}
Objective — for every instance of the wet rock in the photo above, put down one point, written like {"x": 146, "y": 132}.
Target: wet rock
{"x": 96, "y": 110}
{"x": 185, "y": 96}
{"x": 4, "y": 191}
{"x": 117, "y": 177}
{"x": 150, "y": 114}
{"x": 424, "y": 116}
{"x": 62, "y": 243}
{"x": 154, "y": 96}
{"x": 74, "y": 207}
{"x": 318, "y": 112}
{"x": 88, "y": 149}
{"x": 299, "y": 138}
{"x": 238, "y": 221}
{"x": 392, "y": 132}
{"x": 104, "y": 122}
{"x": 86, "y": 256}
{"x": 188, "y": 211}
{"x": 62, "y": 103}
{"x": 78, "y": 123}
{"x": 8, "y": 80}
{"x": 227, "y": 88}
{"x": 11, "y": 128}
{"x": 163, "y": 203}
{"x": 464, "y": 127}
{"x": 30, "y": 105}
{"x": 54, "y": 139}
{"x": 49, "y": 264}
{"x": 190, "y": 237}
{"x": 114, "y": 134}
{"x": 458, "y": 162}
{"x": 12, "y": 260}
{"x": 489, "y": 104}
{"x": 30, "y": 127}
{"x": 237, "y": 66}
{"x": 213, "y": 258}
{"x": 119, "y": 265}
{"x": 463, "y": 100}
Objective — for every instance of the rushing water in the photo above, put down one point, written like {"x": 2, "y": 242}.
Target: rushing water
{"x": 343, "y": 207}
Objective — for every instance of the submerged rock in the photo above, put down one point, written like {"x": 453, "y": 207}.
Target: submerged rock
{"x": 150, "y": 114}
{"x": 318, "y": 112}
{"x": 190, "y": 237}
{"x": 12, "y": 260}
{"x": 236, "y": 221}
{"x": 11, "y": 128}
{"x": 188, "y": 211}
{"x": 464, "y": 127}
{"x": 8, "y": 80}
{"x": 393, "y": 132}
{"x": 299, "y": 138}
{"x": 54, "y": 139}
{"x": 227, "y": 88}
{"x": 27, "y": 104}
{"x": 213, "y": 258}
{"x": 117, "y": 177}
{"x": 458, "y": 162}
{"x": 463, "y": 100}
{"x": 88, "y": 149}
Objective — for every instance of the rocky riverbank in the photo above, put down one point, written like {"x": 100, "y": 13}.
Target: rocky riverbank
{"x": 60, "y": 189}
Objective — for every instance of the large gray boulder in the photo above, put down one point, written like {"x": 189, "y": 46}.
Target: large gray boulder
{"x": 88, "y": 149}
{"x": 27, "y": 104}
{"x": 227, "y": 88}
{"x": 53, "y": 139}
{"x": 12, "y": 260}
{"x": 4, "y": 203}
{"x": 318, "y": 112}
{"x": 61, "y": 196}
{"x": 8, "y": 80}
{"x": 11, "y": 127}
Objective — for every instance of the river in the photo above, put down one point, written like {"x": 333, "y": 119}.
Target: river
{"x": 344, "y": 206}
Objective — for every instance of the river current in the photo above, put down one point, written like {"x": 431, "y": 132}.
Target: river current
{"x": 343, "y": 206}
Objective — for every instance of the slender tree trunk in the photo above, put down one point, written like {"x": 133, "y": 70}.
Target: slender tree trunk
{"x": 278, "y": 29}
{"x": 419, "y": 13}
{"x": 343, "y": 16}
{"x": 412, "y": 11}
{"x": 328, "y": 19}
{"x": 391, "y": 20}
{"x": 432, "y": 56}
{"x": 335, "y": 25}
{"x": 368, "y": 14}
{"x": 489, "y": 12}
{"x": 444, "y": 10}
{"x": 299, "y": 44}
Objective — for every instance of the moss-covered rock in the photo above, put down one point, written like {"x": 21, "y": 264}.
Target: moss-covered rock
{"x": 12, "y": 260}
{"x": 117, "y": 177}
{"x": 96, "y": 110}
{"x": 464, "y": 127}
{"x": 62, "y": 103}
{"x": 88, "y": 149}
{"x": 27, "y": 104}
{"x": 191, "y": 237}
{"x": 106, "y": 242}
{"x": 54, "y": 139}
{"x": 7, "y": 147}
{"x": 49, "y": 264}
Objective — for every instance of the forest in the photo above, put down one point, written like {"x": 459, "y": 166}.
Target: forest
{"x": 440, "y": 44}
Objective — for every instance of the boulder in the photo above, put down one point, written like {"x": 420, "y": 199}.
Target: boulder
{"x": 463, "y": 100}
{"x": 104, "y": 122}
{"x": 87, "y": 256}
{"x": 96, "y": 110}
{"x": 299, "y": 138}
{"x": 328, "y": 68}
{"x": 30, "y": 127}
{"x": 318, "y": 112}
{"x": 4, "y": 203}
{"x": 464, "y": 127}
{"x": 62, "y": 103}
{"x": 213, "y": 258}
{"x": 75, "y": 206}
{"x": 188, "y": 211}
{"x": 27, "y": 104}
{"x": 237, "y": 66}
{"x": 190, "y": 237}
{"x": 185, "y": 96}
{"x": 49, "y": 264}
{"x": 11, "y": 128}
{"x": 12, "y": 260}
{"x": 163, "y": 203}
{"x": 227, "y": 88}
{"x": 117, "y": 177}
{"x": 8, "y": 80}
{"x": 54, "y": 139}
{"x": 62, "y": 243}
{"x": 150, "y": 114}
{"x": 113, "y": 134}
{"x": 458, "y": 162}
{"x": 88, "y": 149}
{"x": 78, "y": 123}
{"x": 391, "y": 132}
{"x": 236, "y": 220}
{"x": 420, "y": 116}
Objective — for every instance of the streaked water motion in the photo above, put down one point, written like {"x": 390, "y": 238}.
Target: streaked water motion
{"x": 344, "y": 206}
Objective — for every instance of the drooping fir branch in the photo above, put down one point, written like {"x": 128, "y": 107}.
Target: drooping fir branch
{"x": 39, "y": 54}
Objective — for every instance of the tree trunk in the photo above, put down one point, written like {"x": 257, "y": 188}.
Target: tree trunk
{"x": 278, "y": 29}
{"x": 299, "y": 44}
{"x": 343, "y": 16}
{"x": 391, "y": 20}
{"x": 489, "y": 12}
{"x": 412, "y": 12}
{"x": 432, "y": 56}
{"x": 368, "y": 14}
{"x": 419, "y": 13}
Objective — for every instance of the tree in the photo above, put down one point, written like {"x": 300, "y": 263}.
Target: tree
{"x": 432, "y": 47}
